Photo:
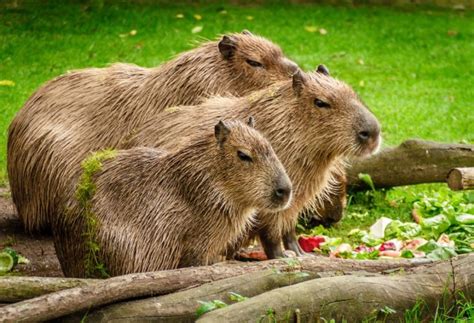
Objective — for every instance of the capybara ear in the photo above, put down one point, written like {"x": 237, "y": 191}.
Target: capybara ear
{"x": 221, "y": 132}
{"x": 323, "y": 70}
{"x": 251, "y": 122}
{"x": 227, "y": 47}
{"x": 247, "y": 32}
{"x": 299, "y": 81}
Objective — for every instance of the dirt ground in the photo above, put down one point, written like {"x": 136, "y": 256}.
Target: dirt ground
{"x": 39, "y": 249}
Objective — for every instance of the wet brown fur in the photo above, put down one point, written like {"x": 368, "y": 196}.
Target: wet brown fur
{"x": 309, "y": 141}
{"x": 162, "y": 210}
{"x": 92, "y": 109}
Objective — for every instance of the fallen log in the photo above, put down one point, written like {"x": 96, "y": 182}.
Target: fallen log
{"x": 356, "y": 298}
{"x": 412, "y": 162}
{"x": 125, "y": 287}
{"x": 461, "y": 178}
{"x": 14, "y": 289}
{"x": 182, "y": 306}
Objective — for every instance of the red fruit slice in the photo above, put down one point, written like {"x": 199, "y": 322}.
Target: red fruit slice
{"x": 308, "y": 244}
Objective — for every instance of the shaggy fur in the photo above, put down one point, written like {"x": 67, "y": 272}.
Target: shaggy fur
{"x": 309, "y": 140}
{"x": 92, "y": 109}
{"x": 163, "y": 210}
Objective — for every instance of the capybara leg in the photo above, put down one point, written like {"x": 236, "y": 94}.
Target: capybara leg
{"x": 290, "y": 243}
{"x": 271, "y": 246}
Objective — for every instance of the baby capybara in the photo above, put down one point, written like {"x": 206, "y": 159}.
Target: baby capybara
{"x": 312, "y": 121}
{"x": 161, "y": 210}
{"x": 92, "y": 109}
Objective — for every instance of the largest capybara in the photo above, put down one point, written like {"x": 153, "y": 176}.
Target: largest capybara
{"x": 155, "y": 210}
{"x": 312, "y": 121}
{"x": 92, "y": 109}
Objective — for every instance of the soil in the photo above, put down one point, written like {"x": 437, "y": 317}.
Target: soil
{"x": 38, "y": 249}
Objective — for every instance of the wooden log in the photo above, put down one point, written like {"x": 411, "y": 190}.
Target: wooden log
{"x": 461, "y": 179}
{"x": 357, "y": 298}
{"x": 14, "y": 289}
{"x": 413, "y": 162}
{"x": 121, "y": 288}
{"x": 181, "y": 306}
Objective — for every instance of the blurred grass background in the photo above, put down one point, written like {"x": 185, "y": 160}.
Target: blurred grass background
{"x": 413, "y": 66}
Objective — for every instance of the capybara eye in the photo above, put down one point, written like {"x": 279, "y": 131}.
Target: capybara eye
{"x": 254, "y": 63}
{"x": 321, "y": 104}
{"x": 244, "y": 156}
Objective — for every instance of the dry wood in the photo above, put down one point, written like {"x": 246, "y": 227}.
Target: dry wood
{"x": 182, "y": 306}
{"x": 14, "y": 289}
{"x": 120, "y": 288}
{"x": 461, "y": 179}
{"x": 413, "y": 162}
{"x": 357, "y": 298}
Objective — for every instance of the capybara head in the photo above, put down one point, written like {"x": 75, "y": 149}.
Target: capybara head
{"x": 334, "y": 116}
{"x": 256, "y": 59}
{"x": 249, "y": 171}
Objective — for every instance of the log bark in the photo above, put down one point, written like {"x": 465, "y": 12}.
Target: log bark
{"x": 461, "y": 179}
{"x": 357, "y": 298}
{"x": 413, "y": 162}
{"x": 121, "y": 288}
{"x": 14, "y": 289}
{"x": 182, "y": 306}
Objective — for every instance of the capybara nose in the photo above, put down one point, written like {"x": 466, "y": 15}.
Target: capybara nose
{"x": 369, "y": 133}
{"x": 282, "y": 193}
{"x": 364, "y": 135}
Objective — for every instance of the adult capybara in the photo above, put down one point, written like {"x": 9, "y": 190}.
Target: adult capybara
{"x": 329, "y": 209}
{"x": 92, "y": 109}
{"x": 312, "y": 121}
{"x": 156, "y": 210}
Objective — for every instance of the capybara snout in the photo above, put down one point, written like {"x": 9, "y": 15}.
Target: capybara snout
{"x": 282, "y": 192}
{"x": 367, "y": 132}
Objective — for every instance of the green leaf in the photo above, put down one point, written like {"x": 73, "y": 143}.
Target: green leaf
{"x": 205, "y": 307}
{"x": 7, "y": 83}
{"x": 407, "y": 254}
{"x": 402, "y": 230}
{"x": 442, "y": 253}
{"x": 209, "y": 306}
{"x": 367, "y": 180}
{"x": 237, "y": 297}
{"x": 464, "y": 218}
{"x": 428, "y": 247}
{"x": 370, "y": 241}
{"x": 367, "y": 255}
{"x": 219, "y": 304}
{"x": 437, "y": 224}
{"x": 196, "y": 29}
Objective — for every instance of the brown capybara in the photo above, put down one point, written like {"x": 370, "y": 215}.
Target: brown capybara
{"x": 312, "y": 122}
{"x": 329, "y": 209}
{"x": 92, "y": 109}
{"x": 160, "y": 210}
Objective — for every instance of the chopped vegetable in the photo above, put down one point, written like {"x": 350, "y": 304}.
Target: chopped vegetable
{"x": 308, "y": 244}
{"x": 6, "y": 262}
{"x": 377, "y": 230}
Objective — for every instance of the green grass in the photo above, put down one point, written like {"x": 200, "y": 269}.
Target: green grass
{"x": 417, "y": 70}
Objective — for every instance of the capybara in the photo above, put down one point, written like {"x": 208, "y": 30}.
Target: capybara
{"x": 329, "y": 209}
{"x": 92, "y": 109}
{"x": 312, "y": 122}
{"x": 158, "y": 210}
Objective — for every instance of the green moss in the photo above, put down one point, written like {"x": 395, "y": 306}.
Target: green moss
{"x": 85, "y": 191}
